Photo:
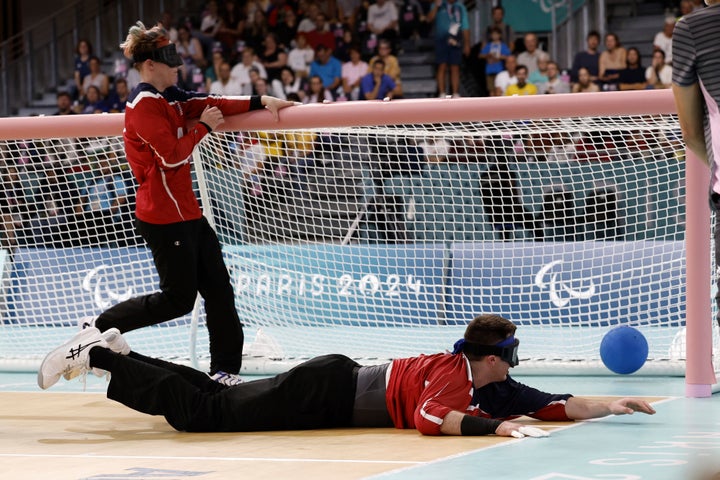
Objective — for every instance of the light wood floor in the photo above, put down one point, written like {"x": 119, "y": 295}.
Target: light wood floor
{"x": 83, "y": 435}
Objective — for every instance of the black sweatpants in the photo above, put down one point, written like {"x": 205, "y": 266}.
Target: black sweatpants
{"x": 188, "y": 259}
{"x": 318, "y": 393}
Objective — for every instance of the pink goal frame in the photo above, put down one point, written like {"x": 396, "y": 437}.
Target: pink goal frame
{"x": 700, "y": 375}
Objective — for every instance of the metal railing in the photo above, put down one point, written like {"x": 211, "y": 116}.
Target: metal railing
{"x": 40, "y": 59}
{"x": 568, "y": 36}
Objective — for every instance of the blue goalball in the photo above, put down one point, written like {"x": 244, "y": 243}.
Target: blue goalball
{"x": 624, "y": 350}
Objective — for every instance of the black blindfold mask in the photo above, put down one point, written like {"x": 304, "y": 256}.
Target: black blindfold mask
{"x": 507, "y": 349}
{"x": 167, "y": 55}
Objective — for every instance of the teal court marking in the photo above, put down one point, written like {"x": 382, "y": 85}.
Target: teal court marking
{"x": 681, "y": 438}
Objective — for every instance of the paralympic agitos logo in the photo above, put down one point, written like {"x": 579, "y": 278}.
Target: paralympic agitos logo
{"x": 560, "y": 292}
{"x": 101, "y": 283}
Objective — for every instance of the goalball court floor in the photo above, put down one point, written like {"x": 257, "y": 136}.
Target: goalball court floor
{"x": 68, "y": 433}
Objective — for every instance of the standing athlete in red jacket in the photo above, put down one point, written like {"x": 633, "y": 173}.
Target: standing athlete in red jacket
{"x": 187, "y": 254}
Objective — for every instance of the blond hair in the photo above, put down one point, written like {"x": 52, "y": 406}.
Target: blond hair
{"x": 140, "y": 39}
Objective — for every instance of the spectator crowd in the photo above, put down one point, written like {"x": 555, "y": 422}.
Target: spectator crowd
{"x": 327, "y": 50}
{"x": 309, "y": 51}
{"x": 522, "y": 67}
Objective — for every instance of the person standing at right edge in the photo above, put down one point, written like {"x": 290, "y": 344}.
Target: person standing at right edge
{"x": 696, "y": 87}
{"x": 160, "y": 136}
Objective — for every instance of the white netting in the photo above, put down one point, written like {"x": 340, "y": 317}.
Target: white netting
{"x": 377, "y": 242}
{"x": 69, "y": 245}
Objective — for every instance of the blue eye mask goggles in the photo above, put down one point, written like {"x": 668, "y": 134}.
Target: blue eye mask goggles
{"x": 507, "y": 349}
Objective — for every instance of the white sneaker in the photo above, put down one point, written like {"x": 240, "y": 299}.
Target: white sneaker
{"x": 71, "y": 358}
{"x": 229, "y": 379}
{"x": 115, "y": 342}
{"x": 455, "y": 95}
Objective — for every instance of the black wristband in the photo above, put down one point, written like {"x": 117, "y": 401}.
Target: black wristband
{"x": 256, "y": 102}
{"x": 478, "y": 425}
{"x": 206, "y": 126}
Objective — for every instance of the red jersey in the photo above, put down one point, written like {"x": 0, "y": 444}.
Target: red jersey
{"x": 159, "y": 145}
{"x": 422, "y": 390}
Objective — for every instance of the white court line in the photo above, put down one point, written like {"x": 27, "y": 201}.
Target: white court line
{"x": 222, "y": 459}
{"x": 18, "y": 385}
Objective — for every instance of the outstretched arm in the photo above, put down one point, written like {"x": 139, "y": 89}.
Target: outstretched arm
{"x": 584, "y": 409}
